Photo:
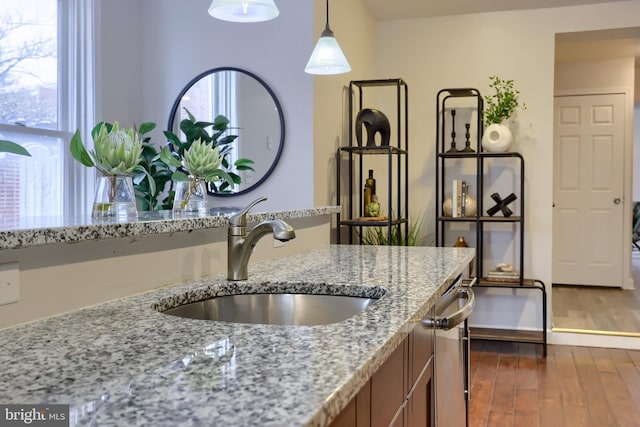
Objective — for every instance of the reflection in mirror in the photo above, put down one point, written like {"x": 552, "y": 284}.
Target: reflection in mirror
{"x": 254, "y": 115}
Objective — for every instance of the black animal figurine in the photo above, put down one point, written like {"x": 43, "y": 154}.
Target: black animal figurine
{"x": 375, "y": 122}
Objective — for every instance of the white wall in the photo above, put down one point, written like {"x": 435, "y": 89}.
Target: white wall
{"x": 461, "y": 51}
{"x": 595, "y": 75}
{"x": 355, "y": 29}
{"x": 636, "y": 152}
{"x": 151, "y": 48}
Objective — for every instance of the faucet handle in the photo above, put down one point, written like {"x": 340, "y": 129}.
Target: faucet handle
{"x": 239, "y": 219}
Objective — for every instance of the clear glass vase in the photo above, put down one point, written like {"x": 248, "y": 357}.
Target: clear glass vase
{"x": 190, "y": 200}
{"x": 115, "y": 200}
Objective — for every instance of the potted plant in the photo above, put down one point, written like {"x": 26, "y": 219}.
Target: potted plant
{"x": 379, "y": 235}
{"x": 116, "y": 155}
{"x": 200, "y": 159}
{"x": 499, "y": 107}
{"x": 150, "y": 179}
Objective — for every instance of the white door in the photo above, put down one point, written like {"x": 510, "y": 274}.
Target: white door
{"x": 588, "y": 189}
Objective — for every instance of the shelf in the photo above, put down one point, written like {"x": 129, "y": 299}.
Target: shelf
{"x": 507, "y": 154}
{"x": 526, "y": 283}
{"x": 513, "y": 218}
{"x": 473, "y": 155}
{"x": 380, "y": 82}
{"x": 446, "y": 131}
{"x": 383, "y": 223}
{"x": 533, "y": 337}
{"x": 458, "y": 219}
{"x": 353, "y": 159}
{"x": 374, "y": 150}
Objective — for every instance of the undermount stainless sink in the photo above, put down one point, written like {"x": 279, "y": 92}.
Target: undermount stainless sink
{"x": 299, "y": 309}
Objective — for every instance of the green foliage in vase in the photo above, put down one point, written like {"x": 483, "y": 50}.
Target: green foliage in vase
{"x": 501, "y": 105}
{"x": 152, "y": 176}
{"x": 380, "y": 235}
{"x": 204, "y": 153}
{"x": 13, "y": 148}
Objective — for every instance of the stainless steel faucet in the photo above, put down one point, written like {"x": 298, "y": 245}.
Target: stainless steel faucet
{"x": 240, "y": 244}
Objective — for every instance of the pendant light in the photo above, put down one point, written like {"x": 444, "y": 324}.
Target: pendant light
{"x": 327, "y": 57}
{"x": 244, "y": 10}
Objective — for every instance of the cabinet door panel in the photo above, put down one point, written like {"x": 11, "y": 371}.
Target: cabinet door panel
{"x": 347, "y": 417}
{"x": 358, "y": 411}
{"x": 421, "y": 406}
{"x": 388, "y": 387}
{"x": 421, "y": 350}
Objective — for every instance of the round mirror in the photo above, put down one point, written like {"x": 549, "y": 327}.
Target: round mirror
{"x": 254, "y": 115}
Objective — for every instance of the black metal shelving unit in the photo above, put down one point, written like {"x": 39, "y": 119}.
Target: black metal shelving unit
{"x": 397, "y": 164}
{"x": 481, "y": 222}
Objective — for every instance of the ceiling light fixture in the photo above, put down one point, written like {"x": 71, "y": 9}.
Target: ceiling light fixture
{"x": 244, "y": 10}
{"x": 327, "y": 57}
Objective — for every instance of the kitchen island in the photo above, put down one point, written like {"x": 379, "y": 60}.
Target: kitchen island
{"x": 124, "y": 363}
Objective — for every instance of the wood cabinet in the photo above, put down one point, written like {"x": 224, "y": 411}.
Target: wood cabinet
{"x": 401, "y": 393}
{"x": 421, "y": 400}
{"x": 420, "y": 408}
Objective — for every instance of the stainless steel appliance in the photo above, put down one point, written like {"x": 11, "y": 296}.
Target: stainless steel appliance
{"x": 452, "y": 349}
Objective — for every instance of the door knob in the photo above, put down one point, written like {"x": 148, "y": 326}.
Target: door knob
{"x": 616, "y": 200}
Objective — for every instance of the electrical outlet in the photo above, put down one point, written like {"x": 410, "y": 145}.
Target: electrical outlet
{"x": 9, "y": 283}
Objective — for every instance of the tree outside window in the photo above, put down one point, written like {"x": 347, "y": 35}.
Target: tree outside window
{"x": 29, "y": 110}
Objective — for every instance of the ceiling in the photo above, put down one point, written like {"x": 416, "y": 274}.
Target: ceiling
{"x": 590, "y": 45}
{"x": 387, "y": 10}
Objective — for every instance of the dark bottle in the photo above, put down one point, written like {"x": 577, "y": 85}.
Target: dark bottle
{"x": 371, "y": 182}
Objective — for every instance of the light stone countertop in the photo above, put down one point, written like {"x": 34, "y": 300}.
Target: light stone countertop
{"x": 44, "y": 230}
{"x": 122, "y": 363}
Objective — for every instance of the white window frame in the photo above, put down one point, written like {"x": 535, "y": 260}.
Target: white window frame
{"x": 77, "y": 89}
{"x": 75, "y": 100}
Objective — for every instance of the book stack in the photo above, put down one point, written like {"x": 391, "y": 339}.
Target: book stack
{"x": 503, "y": 276}
{"x": 459, "y": 197}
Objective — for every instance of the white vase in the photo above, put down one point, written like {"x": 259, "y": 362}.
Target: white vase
{"x": 115, "y": 200}
{"x": 497, "y": 138}
{"x": 190, "y": 199}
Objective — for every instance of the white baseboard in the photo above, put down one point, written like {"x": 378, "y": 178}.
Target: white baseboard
{"x": 594, "y": 340}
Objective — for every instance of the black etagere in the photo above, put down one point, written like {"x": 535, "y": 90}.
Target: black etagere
{"x": 480, "y": 222}
{"x": 397, "y": 164}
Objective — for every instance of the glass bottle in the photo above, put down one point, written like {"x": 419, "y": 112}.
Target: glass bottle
{"x": 371, "y": 182}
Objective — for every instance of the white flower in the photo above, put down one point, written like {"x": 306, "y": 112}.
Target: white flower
{"x": 116, "y": 152}
{"x": 202, "y": 159}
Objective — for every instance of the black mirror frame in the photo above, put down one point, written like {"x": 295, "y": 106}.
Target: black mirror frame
{"x": 176, "y": 105}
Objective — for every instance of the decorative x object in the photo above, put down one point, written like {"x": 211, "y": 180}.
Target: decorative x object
{"x": 501, "y": 205}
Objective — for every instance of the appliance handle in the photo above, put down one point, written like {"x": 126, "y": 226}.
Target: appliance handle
{"x": 454, "y": 319}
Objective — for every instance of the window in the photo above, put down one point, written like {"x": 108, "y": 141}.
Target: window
{"x": 37, "y": 107}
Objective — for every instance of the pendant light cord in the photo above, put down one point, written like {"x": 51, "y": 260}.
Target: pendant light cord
{"x": 327, "y": 13}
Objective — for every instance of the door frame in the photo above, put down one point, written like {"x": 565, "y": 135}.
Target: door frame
{"x": 627, "y": 186}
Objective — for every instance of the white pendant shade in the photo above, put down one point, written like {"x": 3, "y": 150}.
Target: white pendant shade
{"x": 243, "y": 10}
{"x": 327, "y": 57}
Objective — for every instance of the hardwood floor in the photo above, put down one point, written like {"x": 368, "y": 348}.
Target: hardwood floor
{"x": 513, "y": 385}
{"x": 598, "y": 308}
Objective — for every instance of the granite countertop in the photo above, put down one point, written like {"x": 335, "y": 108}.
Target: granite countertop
{"x": 48, "y": 230}
{"x": 123, "y": 363}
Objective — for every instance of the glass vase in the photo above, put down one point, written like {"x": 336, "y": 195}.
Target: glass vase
{"x": 115, "y": 200}
{"x": 190, "y": 199}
